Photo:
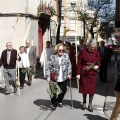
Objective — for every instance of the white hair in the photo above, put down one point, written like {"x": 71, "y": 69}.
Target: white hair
{"x": 91, "y": 42}
{"x": 8, "y": 43}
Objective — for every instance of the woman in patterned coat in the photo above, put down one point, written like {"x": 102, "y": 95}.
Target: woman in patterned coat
{"x": 59, "y": 63}
{"x": 88, "y": 63}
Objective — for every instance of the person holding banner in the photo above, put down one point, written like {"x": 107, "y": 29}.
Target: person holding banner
{"x": 8, "y": 58}
{"x": 60, "y": 64}
{"x": 88, "y": 64}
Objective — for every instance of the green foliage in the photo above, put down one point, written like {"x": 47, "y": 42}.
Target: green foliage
{"x": 41, "y": 8}
{"x": 53, "y": 89}
{"x": 52, "y": 11}
{"x": 107, "y": 31}
{"x": 30, "y": 70}
{"x": 89, "y": 66}
{"x": 96, "y": 13}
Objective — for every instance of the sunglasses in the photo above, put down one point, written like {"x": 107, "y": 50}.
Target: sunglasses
{"x": 60, "y": 50}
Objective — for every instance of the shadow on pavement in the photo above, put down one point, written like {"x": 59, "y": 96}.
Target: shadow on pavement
{"x": 94, "y": 117}
{"x": 2, "y": 90}
{"x": 66, "y": 103}
{"x": 76, "y": 104}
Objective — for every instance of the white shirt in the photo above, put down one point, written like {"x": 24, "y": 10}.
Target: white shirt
{"x": 60, "y": 77}
{"x": 24, "y": 62}
{"x": 45, "y": 56}
{"x": 28, "y": 49}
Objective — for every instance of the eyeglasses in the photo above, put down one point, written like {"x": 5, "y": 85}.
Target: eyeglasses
{"x": 60, "y": 50}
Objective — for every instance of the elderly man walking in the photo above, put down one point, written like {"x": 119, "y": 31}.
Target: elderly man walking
{"x": 31, "y": 51}
{"x": 8, "y": 58}
{"x": 45, "y": 56}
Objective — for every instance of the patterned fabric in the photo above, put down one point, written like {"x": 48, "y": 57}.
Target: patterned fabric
{"x": 53, "y": 65}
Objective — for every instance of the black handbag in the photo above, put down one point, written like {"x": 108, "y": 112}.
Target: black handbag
{"x": 53, "y": 76}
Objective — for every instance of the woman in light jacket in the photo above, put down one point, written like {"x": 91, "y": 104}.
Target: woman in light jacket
{"x": 23, "y": 64}
{"x": 59, "y": 63}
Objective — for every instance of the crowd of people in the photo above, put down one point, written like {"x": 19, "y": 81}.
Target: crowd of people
{"x": 91, "y": 59}
{"x": 59, "y": 65}
{"x": 86, "y": 54}
{"x": 26, "y": 60}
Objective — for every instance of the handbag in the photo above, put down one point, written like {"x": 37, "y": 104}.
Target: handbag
{"x": 53, "y": 76}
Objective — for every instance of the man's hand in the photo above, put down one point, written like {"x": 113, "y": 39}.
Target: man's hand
{"x": 41, "y": 64}
{"x": 78, "y": 76}
{"x": 96, "y": 67}
{"x": 69, "y": 77}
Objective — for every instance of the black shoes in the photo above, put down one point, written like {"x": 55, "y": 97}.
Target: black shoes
{"x": 7, "y": 93}
{"x": 90, "y": 109}
{"x": 84, "y": 106}
{"x": 15, "y": 89}
{"x": 29, "y": 84}
{"x": 60, "y": 105}
{"x": 53, "y": 107}
{"x": 21, "y": 87}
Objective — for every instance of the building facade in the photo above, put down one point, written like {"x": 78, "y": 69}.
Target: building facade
{"x": 9, "y": 11}
{"x": 69, "y": 19}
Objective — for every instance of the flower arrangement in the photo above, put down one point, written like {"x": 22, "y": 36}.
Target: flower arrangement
{"x": 53, "y": 89}
{"x": 90, "y": 66}
{"x": 42, "y": 8}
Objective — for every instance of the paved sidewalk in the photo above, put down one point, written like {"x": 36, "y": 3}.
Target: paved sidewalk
{"x": 29, "y": 106}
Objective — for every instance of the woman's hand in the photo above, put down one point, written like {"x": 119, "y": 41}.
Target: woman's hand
{"x": 69, "y": 77}
{"x": 96, "y": 67}
{"x": 48, "y": 79}
{"x": 78, "y": 76}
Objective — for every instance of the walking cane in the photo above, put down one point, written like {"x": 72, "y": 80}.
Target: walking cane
{"x": 71, "y": 95}
{"x": 16, "y": 44}
{"x": 78, "y": 84}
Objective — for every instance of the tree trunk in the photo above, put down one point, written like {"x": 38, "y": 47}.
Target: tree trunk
{"x": 91, "y": 32}
{"x": 58, "y": 29}
{"x": 58, "y": 35}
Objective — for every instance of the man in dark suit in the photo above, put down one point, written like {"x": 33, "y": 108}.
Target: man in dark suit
{"x": 80, "y": 45}
{"x": 105, "y": 57}
{"x": 8, "y": 58}
{"x": 31, "y": 51}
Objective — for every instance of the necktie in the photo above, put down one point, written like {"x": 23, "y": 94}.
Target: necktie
{"x": 8, "y": 56}
{"x": 102, "y": 52}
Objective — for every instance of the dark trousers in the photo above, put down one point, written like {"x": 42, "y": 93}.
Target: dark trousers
{"x": 22, "y": 76}
{"x": 59, "y": 99}
{"x": 103, "y": 71}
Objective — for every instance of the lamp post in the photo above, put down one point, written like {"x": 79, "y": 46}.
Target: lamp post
{"x": 59, "y": 25}
{"x": 65, "y": 34}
